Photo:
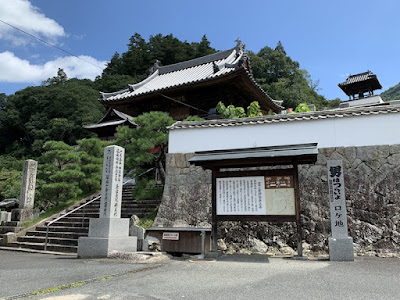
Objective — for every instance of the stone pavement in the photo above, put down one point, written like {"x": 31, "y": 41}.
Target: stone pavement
{"x": 230, "y": 277}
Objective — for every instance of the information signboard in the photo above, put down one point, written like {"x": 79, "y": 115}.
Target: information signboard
{"x": 255, "y": 195}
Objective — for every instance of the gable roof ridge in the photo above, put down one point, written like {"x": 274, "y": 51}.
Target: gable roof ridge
{"x": 135, "y": 86}
{"x": 104, "y": 96}
{"x": 196, "y": 61}
{"x": 123, "y": 115}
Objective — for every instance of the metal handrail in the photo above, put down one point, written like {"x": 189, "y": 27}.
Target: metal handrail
{"x": 75, "y": 209}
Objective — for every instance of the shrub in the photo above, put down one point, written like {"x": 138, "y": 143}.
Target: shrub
{"x": 146, "y": 189}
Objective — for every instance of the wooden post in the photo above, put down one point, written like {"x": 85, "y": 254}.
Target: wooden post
{"x": 214, "y": 211}
{"x": 298, "y": 216}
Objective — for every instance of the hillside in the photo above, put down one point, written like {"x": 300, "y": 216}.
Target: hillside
{"x": 392, "y": 94}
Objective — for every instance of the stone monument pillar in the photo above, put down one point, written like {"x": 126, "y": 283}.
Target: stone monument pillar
{"x": 26, "y": 211}
{"x": 109, "y": 232}
{"x": 340, "y": 244}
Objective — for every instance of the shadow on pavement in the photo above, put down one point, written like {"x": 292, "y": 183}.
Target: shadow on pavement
{"x": 247, "y": 258}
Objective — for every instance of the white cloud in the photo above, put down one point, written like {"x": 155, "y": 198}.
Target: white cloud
{"x": 16, "y": 70}
{"x": 22, "y": 14}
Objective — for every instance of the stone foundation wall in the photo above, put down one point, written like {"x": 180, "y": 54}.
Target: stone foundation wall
{"x": 372, "y": 186}
{"x": 186, "y": 199}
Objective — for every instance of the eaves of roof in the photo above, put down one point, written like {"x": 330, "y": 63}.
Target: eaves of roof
{"x": 121, "y": 115}
{"x": 318, "y": 115}
{"x": 104, "y": 124}
{"x": 145, "y": 91}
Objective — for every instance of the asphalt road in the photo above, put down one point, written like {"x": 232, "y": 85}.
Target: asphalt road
{"x": 230, "y": 277}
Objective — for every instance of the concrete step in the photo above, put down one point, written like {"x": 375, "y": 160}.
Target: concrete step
{"x": 89, "y": 211}
{"x": 85, "y": 214}
{"x": 72, "y": 254}
{"x": 65, "y": 235}
{"x": 50, "y": 240}
{"x": 135, "y": 205}
{"x": 12, "y": 224}
{"x": 94, "y": 206}
{"x": 50, "y": 247}
{"x": 90, "y": 206}
{"x": 138, "y": 208}
{"x": 74, "y": 219}
{"x": 72, "y": 223}
{"x": 156, "y": 202}
{"x": 63, "y": 229}
{"x": 5, "y": 229}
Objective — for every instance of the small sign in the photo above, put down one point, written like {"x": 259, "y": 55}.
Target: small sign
{"x": 174, "y": 236}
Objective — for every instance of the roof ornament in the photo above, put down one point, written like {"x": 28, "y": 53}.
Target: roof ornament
{"x": 155, "y": 67}
{"x": 239, "y": 45}
{"x": 238, "y": 42}
{"x": 216, "y": 67}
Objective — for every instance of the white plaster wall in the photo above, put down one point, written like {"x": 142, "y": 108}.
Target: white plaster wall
{"x": 368, "y": 130}
{"x": 367, "y": 100}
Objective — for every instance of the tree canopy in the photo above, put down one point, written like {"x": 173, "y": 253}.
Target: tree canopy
{"x": 147, "y": 144}
{"x": 54, "y": 111}
{"x": 281, "y": 77}
{"x": 142, "y": 54}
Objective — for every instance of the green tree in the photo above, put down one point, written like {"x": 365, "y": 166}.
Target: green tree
{"x": 3, "y": 100}
{"x": 203, "y": 48}
{"x": 392, "y": 93}
{"x": 141, "y": 55}
{"x": 147, "y": 144}
{"x": 282, "y": 78}
{"x": 114, "y": 67}
{"x": 193, "y": 118}
{"x": 254, "y": 109}
{"x": 59, "y": 174}
{"x": 61, "y": 78}
{"x": 55, "y": 112}
{"x": 113, "y": 83}
{"x": 10, "y": 183}
{"x": 10, "y": 177}
{"x": 90, "y": 153}
{"x": 302, "y": 107}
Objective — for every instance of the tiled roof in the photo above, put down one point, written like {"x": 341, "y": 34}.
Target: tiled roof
{"x": 102, "y": 123}
{"x": 184, "y": 73}
{"x": 124, "y": 116}
{"x": 318, "y": 115}
{"x": 359, "y": 78}
{"x": 105, "y": 124}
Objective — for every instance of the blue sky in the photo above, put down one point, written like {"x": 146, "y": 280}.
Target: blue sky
{"x": 330, "y": 39}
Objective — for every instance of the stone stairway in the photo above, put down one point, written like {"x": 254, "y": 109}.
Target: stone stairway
{"x": 63, "y": 234}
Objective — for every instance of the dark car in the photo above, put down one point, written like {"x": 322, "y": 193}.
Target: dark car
{"x": 9, "y": 204}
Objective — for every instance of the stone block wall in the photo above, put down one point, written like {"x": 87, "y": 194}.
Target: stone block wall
{"x": 186, "y": 199}
{"x": 372, "y": 187}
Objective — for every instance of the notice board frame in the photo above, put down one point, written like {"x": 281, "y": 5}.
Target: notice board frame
{"x": 274, "y": 156}
{"x": 258, "y": 218}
